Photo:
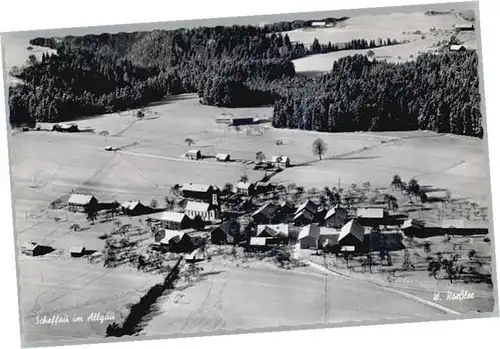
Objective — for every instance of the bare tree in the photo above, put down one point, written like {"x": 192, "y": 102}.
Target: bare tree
{"x": 260, "y": 157}
{"x": 319, "y": 148}
{"x": 189, "y": 141}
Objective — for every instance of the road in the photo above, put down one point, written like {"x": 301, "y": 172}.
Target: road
{"x": 233, "y": 298}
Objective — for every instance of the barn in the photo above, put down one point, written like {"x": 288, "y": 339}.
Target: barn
{"x": 172, "y": 220}
{"x": 242, "y": 121}
{"x": 265, "y": 214}
{"x": 175, "y": 241}
{"x": 352, "y": 234}
{"x": 371, "y": 216}
{"x": 135, "y": 208}
{"x": 82, "y": 203}
{"x": 245, "y": 188}
{"x": 305, "y": 213}
{"x": 77, "y": 251}
{"x": 201, "y": 192}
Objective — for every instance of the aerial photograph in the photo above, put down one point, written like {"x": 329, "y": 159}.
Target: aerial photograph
{"x": 317, "y": 170}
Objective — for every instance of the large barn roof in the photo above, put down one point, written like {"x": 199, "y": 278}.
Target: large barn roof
{"x": 352, "y": 228}
{"x": 197, "y": 206}
{"x": 309, "y": 230}
{"x": 370, "y": 212}
{"x": 202, "y": 188}
{"x": 80, "y": 199}
{"x": 169, "y": 216}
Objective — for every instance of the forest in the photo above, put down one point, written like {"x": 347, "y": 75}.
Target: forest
{"x": 241, "y": 66}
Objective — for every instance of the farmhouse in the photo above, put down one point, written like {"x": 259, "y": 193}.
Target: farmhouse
{"x": 371, "y": 216}
{"x": 77, "y": 251}
{"x": 65, "y": 128}
{"x": 328, "y": 237}
{"x": 175, "y": 241}
{"x": 280, "y": 161}
{"x": 309, "y": 236}
{"x": 194, "y": 154}
{"x": 245, "y": 188}
{"x": 336, "y": 217}
{"x": 352, "y": 234}
{"x": 135, "y": 208}
{"x": 257, "y": 243}
{"x": 305, "y": 213}
{"x": 82, "y": 203}
{"x": 457, "y": 48}
{"x": 222, "y": 235}
{"x": 464, "y": 27}
{"x": 201, "y": 192}
{"x": 223, "y": 157}
{"x": 172, "y": 220}
{"x": 275, "y": 234}
{"x": 265, "y": 214}
{"x": 207, "y": 212}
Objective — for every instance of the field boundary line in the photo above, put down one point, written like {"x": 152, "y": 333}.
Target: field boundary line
{"x": 401, "y": 293}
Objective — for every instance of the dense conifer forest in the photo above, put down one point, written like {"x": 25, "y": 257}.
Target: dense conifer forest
{"x": 241, "y": 66}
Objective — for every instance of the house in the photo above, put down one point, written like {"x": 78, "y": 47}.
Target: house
{"x": 65, "y": 128}
{"x": 371, "y": 216}
{"x": 464, "y": 27}
{"x": 352, "y": 234}
{"x": 336, "y": 217}
{"x": 328, "y": 238}
{"x": 222, "y": 235}
{"x": 265, "y": 214}
{"x": 207, "y": 212}
{"x": 280, "y": 161}
{"x": 263, "y": 187}
{"x": 82, "y": 203}
{"x": 223, "y": 157}
{"x": 77, "y": 251}
{"x": 245, "y": 188}
{"x": 276, "y": 233}
{"x": 172, "y": 220}
{"x": 257, "y": 243}
{"x": 200, "y": 192}
{"x": 175, "y": 241}
{"x": 305, "y": 213}
{"x": 457, "y": 48}
{"x": 135, "y": 208}
{"x": 309, "y": 236}
{"x": 318, "y": 24}
{"x": 194, "y": 154}
{"x": 460, "y": 227}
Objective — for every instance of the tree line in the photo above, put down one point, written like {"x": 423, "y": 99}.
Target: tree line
{"x": 240, "y": 66}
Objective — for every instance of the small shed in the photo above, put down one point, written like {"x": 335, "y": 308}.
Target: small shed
{"x": 77, "y": 251}
{"x": 82, "y": 203}
{"x": 223, "y": 157}
{"x": 194, "y": 154}
{"x": 258, "y": 243}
